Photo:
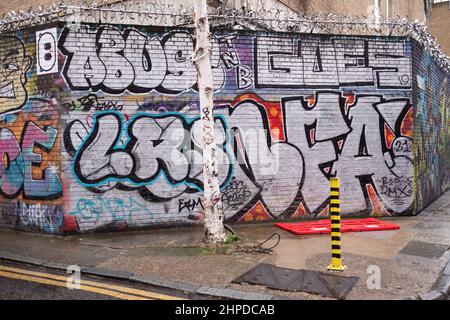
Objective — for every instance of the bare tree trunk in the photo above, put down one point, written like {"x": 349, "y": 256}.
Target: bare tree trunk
{"x": 214, "y": 216}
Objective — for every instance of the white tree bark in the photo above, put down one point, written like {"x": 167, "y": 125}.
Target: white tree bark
{"x": 214, "y": 216}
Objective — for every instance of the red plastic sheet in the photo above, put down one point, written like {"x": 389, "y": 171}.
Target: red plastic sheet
{"x": 324, "y": 226}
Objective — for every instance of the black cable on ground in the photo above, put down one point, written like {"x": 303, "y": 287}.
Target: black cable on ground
{"x": 259, "y": 247}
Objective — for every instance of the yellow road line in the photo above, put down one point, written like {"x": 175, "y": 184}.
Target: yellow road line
{"x": 146, "y": 294}
{"x": 105, "y": 292}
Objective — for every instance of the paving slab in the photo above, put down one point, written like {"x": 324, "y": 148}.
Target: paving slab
{"x": 233, "y": 294}
{"x": 109, "y": 273}
{"x": 179, "y": 237}
{"x": 160, "y": 282}
{"x": 443, "y": 285}
{"x": 447, "y": 269}
{"x": 61, "y": 266}
{"x": 432, "y": 295}
{"x": 20, "y": 258}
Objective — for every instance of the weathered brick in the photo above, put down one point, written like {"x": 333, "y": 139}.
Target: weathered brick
{"x": 103, "y": 131}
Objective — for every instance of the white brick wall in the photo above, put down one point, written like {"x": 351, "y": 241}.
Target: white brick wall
{"x": 142, "y": 165}
{"x": 291, "y": 111}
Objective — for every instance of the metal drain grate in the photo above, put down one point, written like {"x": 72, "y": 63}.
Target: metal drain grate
{"x": 327, "y": 285}
{"x": 424, "y": 249}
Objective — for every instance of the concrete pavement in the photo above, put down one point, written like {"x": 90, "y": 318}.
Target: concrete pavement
{"x": 177, "y": 256}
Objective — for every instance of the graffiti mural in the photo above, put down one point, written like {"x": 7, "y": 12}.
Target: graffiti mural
{"x": 101, "y": 130}
{"x": 31, "y": 184}
{"x": 313, "y": 150}
{"x": 31, "y": 188}
{"x": 46, "y": 218}
{"x": 280, "y": 133}
{"x": 46, "y": 51}
{"x": 115, "y": 61}
{"x": 431, "y": 130}
{"x": 284, "y": 62}
{"x": 13, "y": 76}
{"x": 19, "y": 157}
{"x": 116, "y": 209}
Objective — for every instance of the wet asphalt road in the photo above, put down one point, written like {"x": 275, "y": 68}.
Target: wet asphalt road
{"x": 27, "y": 289}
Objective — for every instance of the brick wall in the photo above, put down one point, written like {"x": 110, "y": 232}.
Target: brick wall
{"x": 115, "y": 141}
{"x": 431, "y": 128}
{"x": 30, "y": 182}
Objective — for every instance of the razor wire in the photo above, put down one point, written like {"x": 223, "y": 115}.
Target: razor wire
{"x": 276, "y": 19}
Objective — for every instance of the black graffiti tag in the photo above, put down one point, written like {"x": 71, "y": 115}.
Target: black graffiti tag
{"x": 396, "y": 187}
{"x": 92, "y": 102}
{"x": 235, "y": 195}
{"x": 190, "y": 205}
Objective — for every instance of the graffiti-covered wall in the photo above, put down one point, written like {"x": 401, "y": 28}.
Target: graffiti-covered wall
{"x": 101, "y": 130}
{"x": 431, "y": 128}
{"x": 31, "y": 189}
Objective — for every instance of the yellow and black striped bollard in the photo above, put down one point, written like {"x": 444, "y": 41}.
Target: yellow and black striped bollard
{"x": 335, "y": 216}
